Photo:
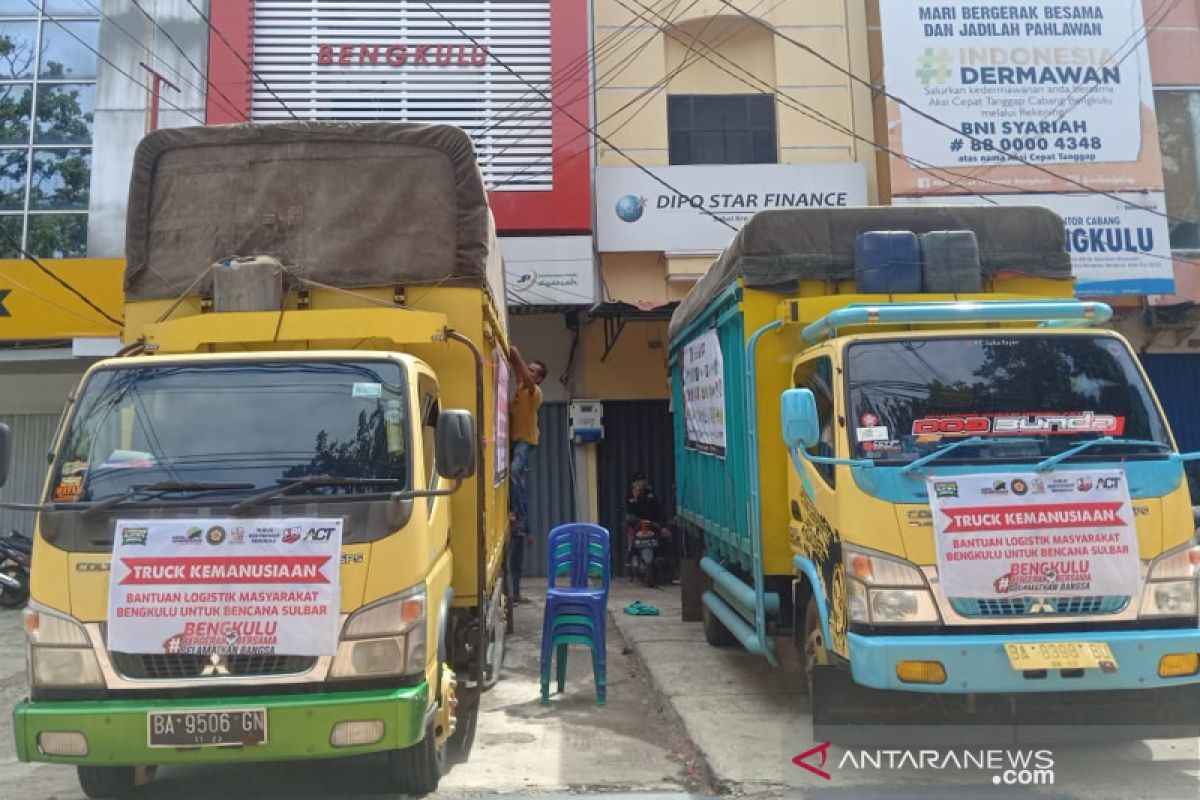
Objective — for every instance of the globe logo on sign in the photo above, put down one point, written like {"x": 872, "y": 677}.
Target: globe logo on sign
{"x": 630, "y": 208}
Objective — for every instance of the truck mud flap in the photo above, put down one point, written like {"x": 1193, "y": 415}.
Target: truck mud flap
{"x": 847, "y": 713}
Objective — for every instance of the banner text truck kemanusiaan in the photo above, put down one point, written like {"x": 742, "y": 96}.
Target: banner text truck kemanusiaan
{"x": 958, "y": 496}
{"x": 273, "y": 526}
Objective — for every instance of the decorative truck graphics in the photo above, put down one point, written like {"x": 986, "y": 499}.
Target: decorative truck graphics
{"x": 1002, "y": 424}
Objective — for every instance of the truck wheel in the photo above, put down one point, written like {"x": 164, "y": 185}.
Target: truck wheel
{"x": 715, "y": 632}
{"x": 815, "y": 652}
{"x": 101, "y": 782}
{"x": 416, "y": 770}
{"x": 459, "y": 745}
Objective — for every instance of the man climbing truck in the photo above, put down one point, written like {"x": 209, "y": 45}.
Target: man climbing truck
{"x": 949, "y": 481}
{"x": 273, "y": 528}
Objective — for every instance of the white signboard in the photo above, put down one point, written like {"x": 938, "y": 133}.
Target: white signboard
{"x": 704, "y": 394}
{"x": 1058, "y": 534}
{"x": 636, "y": 212}
{"x": 501, "y": 371}
{"x": 1116, "y": 247}
{"x": 225, "y": 586}
{"x": 1053, "y": 83}
{"x": 549, "y": 270}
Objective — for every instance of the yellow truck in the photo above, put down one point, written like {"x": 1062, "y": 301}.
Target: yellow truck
{"x": 956, "y": 495}
{"x": 273, "y": 525}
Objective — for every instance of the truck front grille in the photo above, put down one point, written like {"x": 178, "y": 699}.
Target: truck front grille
{"x": 1039, "y": 607}
{"x": 175, "y": 666}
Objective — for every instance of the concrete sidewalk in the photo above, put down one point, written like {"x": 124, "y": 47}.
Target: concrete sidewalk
{"x": 741, "y": 712}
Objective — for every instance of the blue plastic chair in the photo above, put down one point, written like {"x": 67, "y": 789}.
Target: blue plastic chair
{"x": 575, "y": 610}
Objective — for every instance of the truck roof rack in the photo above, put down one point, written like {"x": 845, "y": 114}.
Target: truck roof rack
{"x": 1050, "y": 313}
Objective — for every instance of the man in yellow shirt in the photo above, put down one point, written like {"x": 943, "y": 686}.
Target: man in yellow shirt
{"x": 523, "y": 436}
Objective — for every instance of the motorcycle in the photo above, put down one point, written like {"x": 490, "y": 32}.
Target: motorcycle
{"x": 16, "y": 558}
{"x": 649, "y": 557}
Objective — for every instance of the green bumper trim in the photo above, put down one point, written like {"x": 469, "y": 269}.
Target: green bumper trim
{"x": 298, "y": 726}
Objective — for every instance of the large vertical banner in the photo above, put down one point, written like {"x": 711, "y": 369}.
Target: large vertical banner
{"x": 1046, "y": 100}
{"x": 704, "y": 394}
{"x": 500, "y": 372}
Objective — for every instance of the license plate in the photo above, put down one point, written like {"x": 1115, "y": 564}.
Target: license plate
{"x": 1061, "y": 655}
{"x": 217, "y": 728}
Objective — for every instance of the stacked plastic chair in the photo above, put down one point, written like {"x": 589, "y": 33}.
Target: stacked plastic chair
{"x": 576, "y": 610}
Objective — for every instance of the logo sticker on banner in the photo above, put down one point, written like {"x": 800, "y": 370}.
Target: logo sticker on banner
{"x": 704, "y": 394}
{"x": 225, "y": 586}
{"x": 1028, "y": 534}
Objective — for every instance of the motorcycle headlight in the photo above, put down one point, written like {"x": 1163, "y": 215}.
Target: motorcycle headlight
{"x": 384, "y": 639}
{"x": 60, "y": 653}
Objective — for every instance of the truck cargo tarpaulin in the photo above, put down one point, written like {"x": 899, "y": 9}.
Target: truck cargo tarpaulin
{"x": 225, "y": 587}
{"x": 1015, "y": 534}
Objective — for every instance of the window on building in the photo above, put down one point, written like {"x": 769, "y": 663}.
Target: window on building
{"x": 1179, "y": 136}
{"x": 722, "y": 128}
{"x": 48, "y": 69}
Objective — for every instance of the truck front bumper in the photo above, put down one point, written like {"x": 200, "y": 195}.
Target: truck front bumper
{"x": 978, "y": 664}
{"x": 298, "y": 726}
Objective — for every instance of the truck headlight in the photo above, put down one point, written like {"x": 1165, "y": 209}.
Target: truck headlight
{"x": 60, "y": 653}
{"x": 1171, "y": 583}
{"x": 386, "y": 638}
{"x": 886, "y": 590}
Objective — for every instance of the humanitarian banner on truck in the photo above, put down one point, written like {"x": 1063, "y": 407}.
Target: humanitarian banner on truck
{"x": 1064, "y": 85}
{"x": 704, "y": 394}
{"x": 225, "y": 586}
{"x": 501, "y": 372}
{"x": 1048, "y": 535}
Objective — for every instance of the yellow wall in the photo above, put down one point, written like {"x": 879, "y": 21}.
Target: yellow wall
{"x": 36, "y": 306}
{"x": 636, "y": 369}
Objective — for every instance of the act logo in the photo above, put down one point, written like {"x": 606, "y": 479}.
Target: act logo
{"x": 319, "y": 534}
{"x": 630, "y": 208}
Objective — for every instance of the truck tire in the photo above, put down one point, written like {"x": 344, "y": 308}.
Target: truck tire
{"x": 104, "y": 782}
{"x": 715, "y": 632}
{"x": 816, "y": 653}
{"x": 417, "y": 770}
{"x": 459, "y": 745}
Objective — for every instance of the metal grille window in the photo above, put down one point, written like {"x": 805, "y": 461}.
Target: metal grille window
{"x": 384, "y": 60}
{"x": 722, "y": 129}
{"x": 47, "y": 103}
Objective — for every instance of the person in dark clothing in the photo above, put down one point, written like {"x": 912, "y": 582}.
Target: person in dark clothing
{"x": 641, "y": 503}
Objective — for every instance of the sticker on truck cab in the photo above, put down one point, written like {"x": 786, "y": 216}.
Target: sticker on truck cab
{"x": 1053, "y": 423}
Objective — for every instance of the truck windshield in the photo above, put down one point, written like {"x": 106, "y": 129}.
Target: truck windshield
{"x": 249, "y": 423}
{"x": 1046, "y": 393}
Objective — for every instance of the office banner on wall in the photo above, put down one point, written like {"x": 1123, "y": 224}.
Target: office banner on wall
{"x": 1064, "y": 86}
{"x": 1116, "y": 246}
{"x": 699, "y": 208}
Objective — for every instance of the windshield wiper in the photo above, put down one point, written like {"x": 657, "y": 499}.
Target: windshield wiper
{"x": 1049, "y": 463}
{"x": 161, "y": 487}
{"x": 973, "y": 441}
{"x": 288, "y": 484}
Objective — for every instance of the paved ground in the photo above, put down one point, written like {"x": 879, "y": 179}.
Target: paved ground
{"x": 522, "y": 747}
{"x": 749, "y": 720}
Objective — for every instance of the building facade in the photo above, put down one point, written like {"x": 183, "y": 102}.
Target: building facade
{"x": 623, "y": 142}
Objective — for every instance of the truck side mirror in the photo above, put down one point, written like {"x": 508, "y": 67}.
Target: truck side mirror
{"x": 798, "y": 412}
{"x": 455, "y": 444}
{"x": 5, "y": 452}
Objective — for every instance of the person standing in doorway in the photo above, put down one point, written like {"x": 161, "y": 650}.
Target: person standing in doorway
{"x": 523, "y": 434}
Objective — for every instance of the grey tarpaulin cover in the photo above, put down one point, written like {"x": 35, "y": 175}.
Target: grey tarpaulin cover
{"x": 348, "y": 204}
{"x": 776, "y": 249}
